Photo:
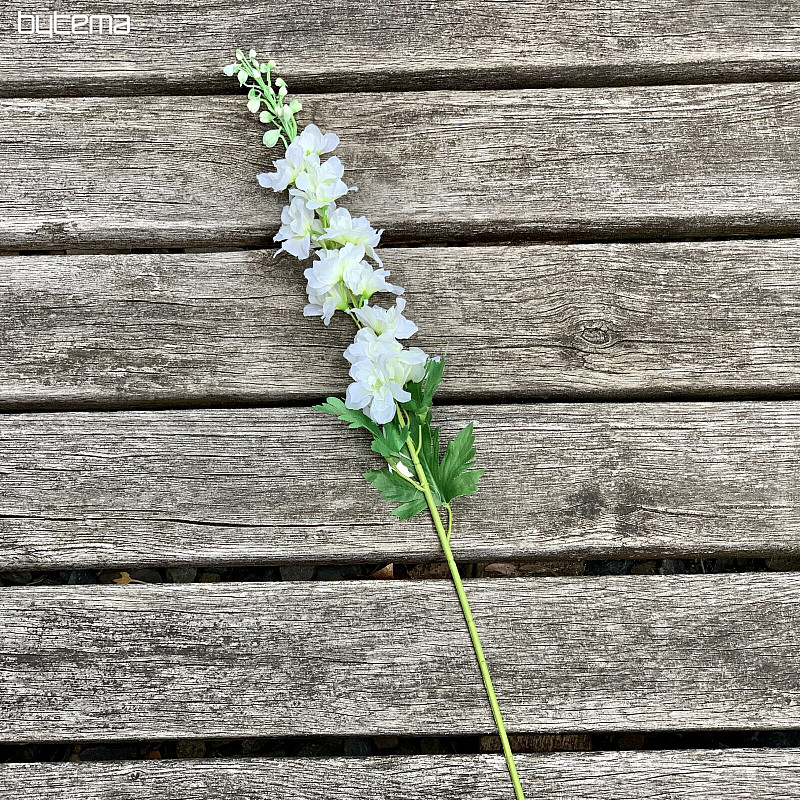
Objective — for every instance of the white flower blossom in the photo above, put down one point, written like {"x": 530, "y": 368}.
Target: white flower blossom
{"x": 344, "y": 229}
{"x": 325, "y": 305}
{"x": 345, "y": 267}
{"x": 378, "y": 382}
{"x": 370, "y": 346}
{"x": 387, "y": 321}
{"x": 319, "y": 183}
{"x": 299, "y": 229}
{"x": 288, "y": 169}
{"x": 364, "y": 281}
{"x": 313, "y": 140}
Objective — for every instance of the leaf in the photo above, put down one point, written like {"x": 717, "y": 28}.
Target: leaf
{"x": 457, "y": 476}
{"x": 395, "y": 489}
{"x": 357, "y": 419}
{"x": 392, "y": 487}
{"x": 391, "y": 441}
{"x": 423, "y": 391}
{"x": 434, "y": 372}
{"x": 411, "y": 508}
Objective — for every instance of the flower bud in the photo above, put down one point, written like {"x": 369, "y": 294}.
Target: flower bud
{"x": 283, "y": 91}
{"x": 265, "y": 117}
{"x": 239, "y": 55}
{"x": 280, "y": 82}
{"x": 252, "y": 54}
{"x": 271, "y": 137}
{"x": 253, "y": 105}
{"x": 270, "y": 64}
{"x": 295, "y": 106}
{"x": 242, "y": 76}
{"x": 229, "y": 69}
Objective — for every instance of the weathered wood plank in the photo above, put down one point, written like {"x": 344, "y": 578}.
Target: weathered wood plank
{"x": 356, "y": 45}
{"x": 394, "y": 658}
{"x": 579, "y": 321}
{"x": 284, "y": 485}
{"x": 643, "y": 161}
{"x": 678, "y": 775}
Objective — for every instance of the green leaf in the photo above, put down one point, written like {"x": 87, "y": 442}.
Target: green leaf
{"x": 457, "y": 476}
{"x": 357, "y": 419}
{"x": 393, "y": 487}
{"x": 434, "y": 372}
{"x": 411, "y": 508}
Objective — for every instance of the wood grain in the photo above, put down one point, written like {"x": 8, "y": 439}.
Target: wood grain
{"x": 678, "y": 775}
{"x": 285, "y": 485}
{"x": 601, "y": 321}
{"x": 394, "y": 657}
{"x": 360, "y": 45}
{"x": 569, "y": 163}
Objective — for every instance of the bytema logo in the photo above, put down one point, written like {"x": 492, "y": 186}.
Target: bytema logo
{"x": 57, "y": 24}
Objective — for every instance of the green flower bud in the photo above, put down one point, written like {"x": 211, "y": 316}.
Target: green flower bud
{"x": 271, "y": 64}
{"x": 265, "y": 117}
{"x": 252, "y": 54}
{"x": 229, "y": 69}
{"x": 239, "y": 55}
{"x": 253, "y": 105}
{"x": 280, "y": 82}
{"x": 283, "y": 91}
{"x": 271, "y": 137}
{"x": 296, "y": 106}
{"x": 242, "y": 76}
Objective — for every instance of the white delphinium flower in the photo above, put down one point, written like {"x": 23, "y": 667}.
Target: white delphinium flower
{"x": 364, "y": 281}
{"x": 378, "y": 382}
{"x": 300, "y": 229}
{"x": 344, "y": 267}
{"x": 390, "y": 321}
{"x": 344, "y": 229}
{"x": 287, "y": 169}
{"x": 313, "y": 140}
{"x": 320, "y": 184}
{"x": 325, "y": 305}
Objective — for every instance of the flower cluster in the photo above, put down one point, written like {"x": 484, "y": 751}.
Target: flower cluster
{"x": 393, "y": 388}
{"x": 346, "y": 271}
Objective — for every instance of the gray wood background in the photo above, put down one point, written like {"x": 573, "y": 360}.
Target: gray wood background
{"x": 677, "y": 775}
{"x": 570, "y": 163}
{"x": 393, "y": 658}
{"x": 597, "y": 321}
{"x": 587, "y": 204}
{"x": 356, "y": 45}
{"x": 285, "y": 485}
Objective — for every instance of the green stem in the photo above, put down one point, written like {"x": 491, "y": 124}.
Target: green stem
{"x": 473, "y": 631}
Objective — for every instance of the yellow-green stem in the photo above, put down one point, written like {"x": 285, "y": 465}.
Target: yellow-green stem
{"x": 473, "y": 631}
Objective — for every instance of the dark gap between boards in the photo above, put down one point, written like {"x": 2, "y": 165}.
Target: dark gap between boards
{"x": 528, "y": 568}
{"x": 364, "y": 747}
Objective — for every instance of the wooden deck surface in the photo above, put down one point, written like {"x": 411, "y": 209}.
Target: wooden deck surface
{"x": 595, "y": 212}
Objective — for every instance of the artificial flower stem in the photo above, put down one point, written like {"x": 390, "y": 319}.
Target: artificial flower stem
{"x": 473, "y": 631}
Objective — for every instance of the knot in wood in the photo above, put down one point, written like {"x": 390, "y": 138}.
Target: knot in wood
{"x": 596, "y": 333}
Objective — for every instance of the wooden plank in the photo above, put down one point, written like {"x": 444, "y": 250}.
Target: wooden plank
{"x": 354, "y": 45}
{"x": 284, "y": 485}
{"x": 597, "y": 163}
{"x": 679, "y": 775}
{"x": 394, "y": 657}
{"x": 583, "y": 321}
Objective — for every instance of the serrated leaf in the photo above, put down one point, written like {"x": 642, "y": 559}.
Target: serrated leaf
{"x": 411, "y": 508}
{"x": 357, "y": 419}
{"x": 457, "y": 476}
{"x": 393, "y": 487}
